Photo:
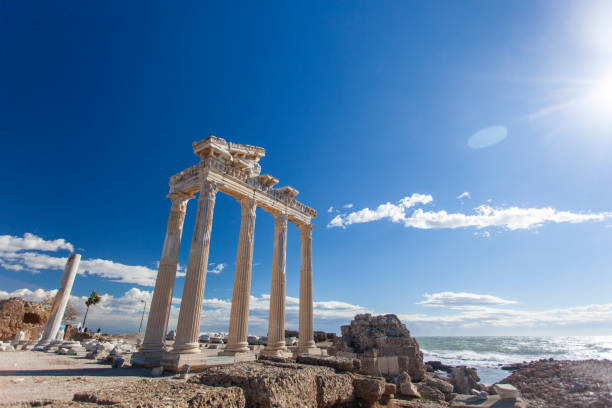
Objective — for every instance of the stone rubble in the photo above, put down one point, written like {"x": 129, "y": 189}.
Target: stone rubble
{"x": 372, "y": 337}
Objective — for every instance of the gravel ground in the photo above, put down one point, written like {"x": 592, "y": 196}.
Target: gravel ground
{"x": 30, "y": 376}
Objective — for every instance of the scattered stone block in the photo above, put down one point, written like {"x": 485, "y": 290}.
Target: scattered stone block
{"x": 506, "y": 391}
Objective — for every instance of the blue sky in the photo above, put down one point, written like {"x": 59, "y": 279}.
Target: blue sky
{"x": 356, "y": 103}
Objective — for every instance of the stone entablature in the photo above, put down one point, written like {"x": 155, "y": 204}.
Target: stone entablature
{"x": 232, "y": 169}
{"x": 239, "y": 183}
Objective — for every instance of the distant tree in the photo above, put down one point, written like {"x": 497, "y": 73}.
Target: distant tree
{"x": 93, "y": 299}
{"x": 70, "y": 314}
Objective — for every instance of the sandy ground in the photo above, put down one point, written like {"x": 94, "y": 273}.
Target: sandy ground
{"x": 30, "y": 375}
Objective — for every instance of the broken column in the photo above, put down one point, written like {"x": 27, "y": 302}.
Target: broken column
{"x": 61, "y": 299}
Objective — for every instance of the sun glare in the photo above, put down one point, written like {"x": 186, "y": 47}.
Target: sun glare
{"x": 599, "y": 99}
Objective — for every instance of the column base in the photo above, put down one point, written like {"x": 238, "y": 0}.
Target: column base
{"x": 238, "y": 355}
{"x": 174, "y": 362}
{"x": 237, "y": 348}
{"x": 148, "y": 358}
{"x": 311, "y": 351}
{"x": 277, "y": 353}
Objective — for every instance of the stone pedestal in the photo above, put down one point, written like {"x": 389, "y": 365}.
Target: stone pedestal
{"x": 276, "y": 324}
{"x": 306, "y": 344}
{"x": 188, "y": 328}
{"x": 239, "y": 317}
{"x": 61, "y": 300}
{"x": 175, "y": 361}
{"x": 153, "y": 347}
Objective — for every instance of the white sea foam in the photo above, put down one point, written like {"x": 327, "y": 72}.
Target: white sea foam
{"x": 489, "y": 353}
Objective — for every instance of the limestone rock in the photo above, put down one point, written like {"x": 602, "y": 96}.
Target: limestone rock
{"x": 506, "y": 391}
{"x": 405, "y": 385}
{"x": 464, "y": 380}
{"x": 429, "y": 392}
{"x": 270, "y": 384}
{"x": 443, "y": 386}
{"x": 388, "y": 336}
{"x": 337, "y": 363}
{"x": 368, "y": 388}
{"x": 162, "y": 393}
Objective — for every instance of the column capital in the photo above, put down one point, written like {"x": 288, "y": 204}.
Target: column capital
{"x": 306, "y": 229}
{"x": 208, "y": 190}
{"x": 179, "y": 199}
{"x": 282, "y": 217}
{"x": 249, "y": 206}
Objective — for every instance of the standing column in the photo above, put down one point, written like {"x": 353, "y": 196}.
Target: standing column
{"x": 61, "y": 299}
{"x": 188, "y": 327}
{"x": 157, "y": 322}
{"x": 276, "y": 322}
{"x": 306, "y": 342}
{"x": 239, "y": 317}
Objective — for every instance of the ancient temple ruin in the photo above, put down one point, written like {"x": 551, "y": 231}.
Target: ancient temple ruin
{"x": 231, "y": 169}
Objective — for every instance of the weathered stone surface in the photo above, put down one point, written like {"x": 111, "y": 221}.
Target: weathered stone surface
{"x": 506, "y": 391}
{"x": 390, "y": 389}
{"x": 571, "y": 384}
{"x": 388, "y": 336}
{"x": 464, "y": 380}
{"x": 405, "y": 385}
{"x": 269, "y": 384}
{"x": 368, "y": 388}
{"x": 337, "y": 363}
{"x": 444, "y": 386}
{"x": 491, "y": 401}
{"x": 165, "y": 393}
{"x": 429, "y": 392}
{"x": 18, "y": 315}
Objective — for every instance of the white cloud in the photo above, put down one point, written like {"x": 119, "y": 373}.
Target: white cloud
{"x": 465, "y": 194}
{"x": 17, "y": 254}
{"x": 462, "y": 300}
{"x": 395, "y": 212}
{"x": 484, "y": 216}
{"x": 330, "y": 209}
{"x": 37, "y": 295}
{"x": 32, "y": 242}
{"x": 216, "y": 269}
{"x": 349, "y": 205}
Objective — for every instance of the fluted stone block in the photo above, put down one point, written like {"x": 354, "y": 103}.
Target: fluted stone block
{"x": 239, "y": 316}
{"x": 188, "y": 327}
{"x": 306, "y": 342}
{"x": 276, "y": 322}
{"x": 61, "y": 299}
{"x": 157, "y": 322}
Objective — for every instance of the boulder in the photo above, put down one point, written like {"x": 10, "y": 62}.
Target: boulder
{"x": 385, "y": 334}
{"x": 430, "y": 393}
{"x": 464, "y": 380}
{"x": 506, "y": 391}
{"x": 271, "y": 384}
{"x": 444, "y": 386}
{"x": 369, "y": 389}
{"x": 405, "y": 385}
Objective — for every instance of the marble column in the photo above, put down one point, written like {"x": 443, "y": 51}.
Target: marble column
{"x": 157, "y": 323}
{"x": 61, "y": 299}
{"x": 276, "y": 322}
{"x": 188, "y": 327}
{"x": 239, "y": 316}
{"x": 306, "y": 342}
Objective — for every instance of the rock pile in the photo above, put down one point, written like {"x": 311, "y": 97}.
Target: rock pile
{"x": 571, "y": 384}
{"x": 372, "y": 337}
{"x": 18, "y": 315}
{"x": 273, "y": 384}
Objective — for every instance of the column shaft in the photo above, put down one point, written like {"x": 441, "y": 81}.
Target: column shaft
{"x": 276, "y": 321}
{"x": 157, "y": 322}
{"x": 188, "y": 328}
{"x": 61, "y": 299}
{"x": 239, "y": 317}
{"x": 306, "y": 324}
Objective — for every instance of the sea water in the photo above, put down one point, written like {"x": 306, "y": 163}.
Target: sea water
{"x": 488, "y": 353}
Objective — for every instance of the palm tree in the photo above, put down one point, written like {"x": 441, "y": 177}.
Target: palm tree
{"x": 93, "y": 299}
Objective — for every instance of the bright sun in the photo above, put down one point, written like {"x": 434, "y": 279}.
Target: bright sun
{"x": 599, "y": 99}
